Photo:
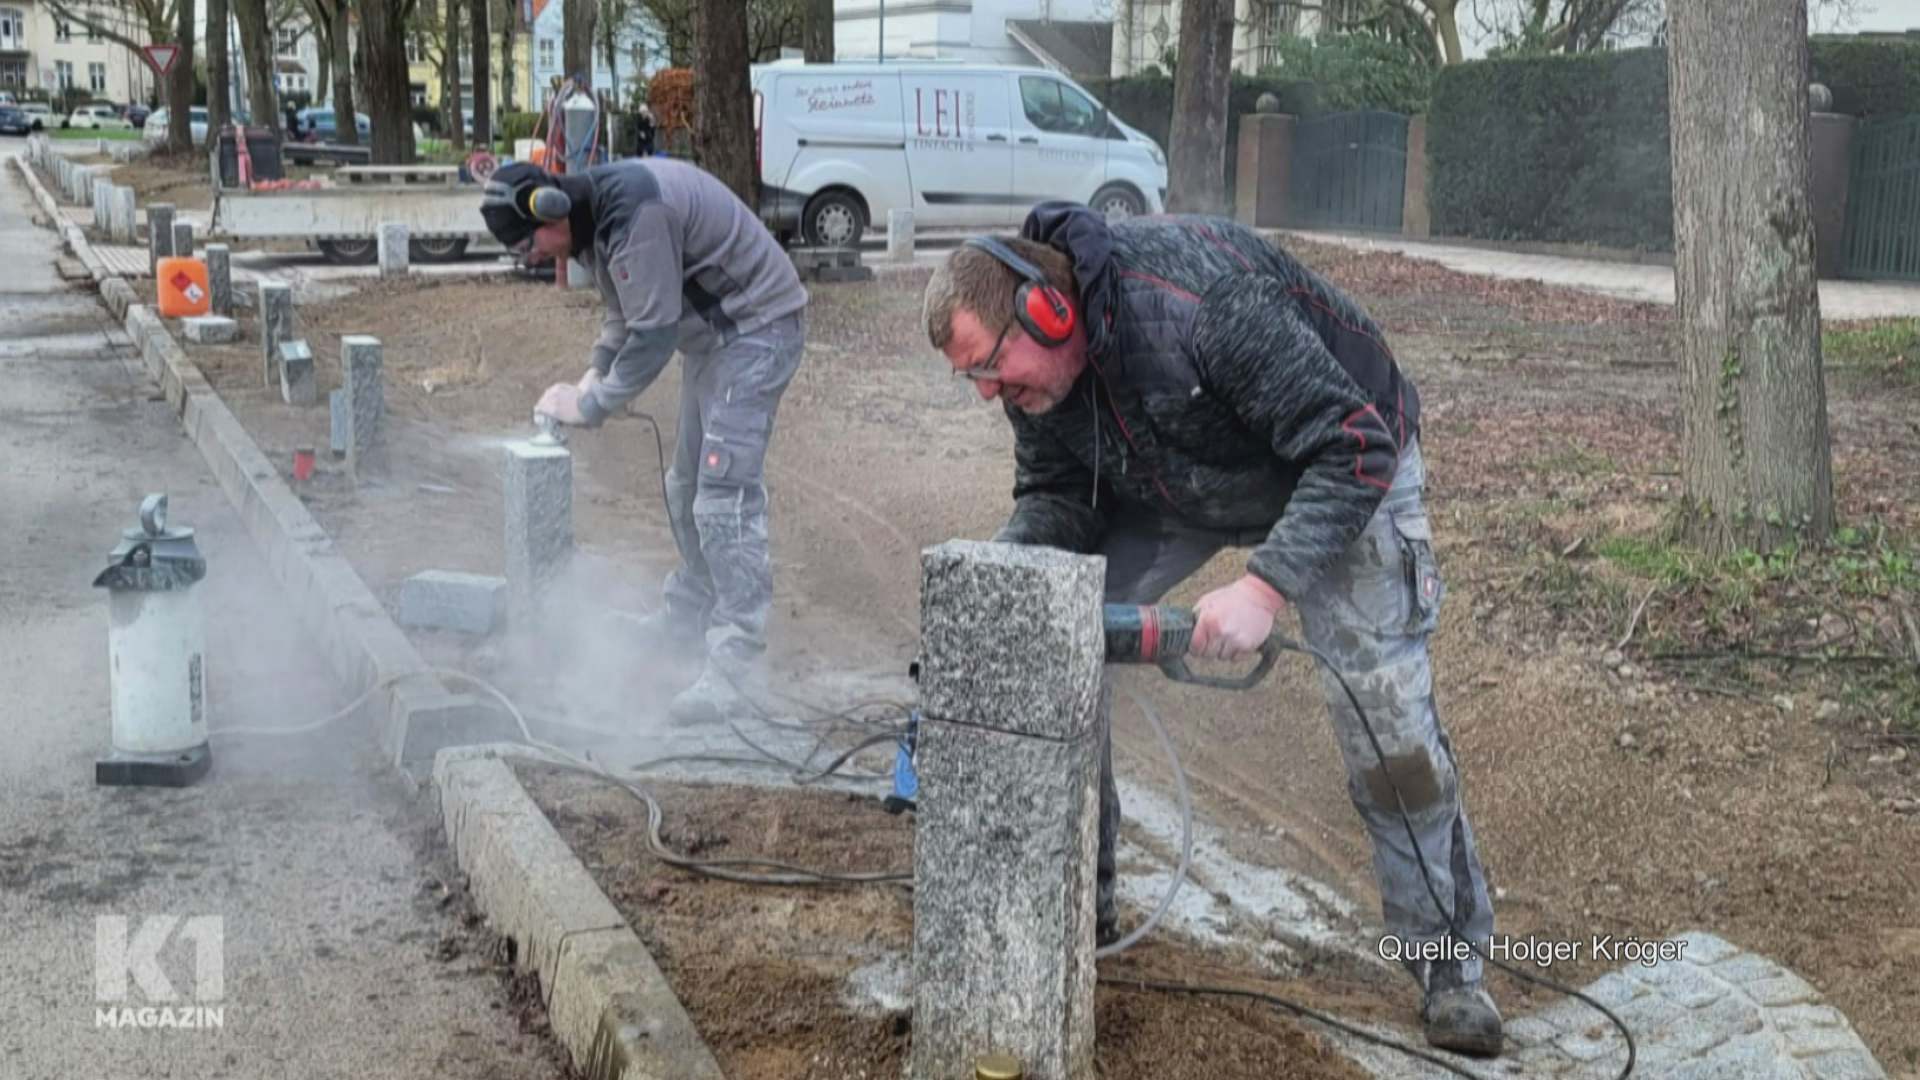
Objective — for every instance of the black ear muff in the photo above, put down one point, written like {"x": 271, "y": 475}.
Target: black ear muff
{"x": 550, "y": 204}
{"x": 1038, "y": 307}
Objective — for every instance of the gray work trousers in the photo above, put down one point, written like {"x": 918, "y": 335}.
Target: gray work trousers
{"x": 716, "y": 494}
{"x": 1371, "y": 615}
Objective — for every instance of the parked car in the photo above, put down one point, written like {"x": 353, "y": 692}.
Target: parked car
{"x": 97, "y": 118}
{"x": 318, "y": 125}
{"x": 155, "y": 129}
{"x": 39, "y": 112}
{"x": 14, "y": 122}
{"x": 960, "y": 144}
{"x": 136, "y": 115}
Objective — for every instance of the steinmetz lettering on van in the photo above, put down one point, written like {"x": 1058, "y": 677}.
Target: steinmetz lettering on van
{"x": 847, "y": 95}
{"x": 937, "y": 120}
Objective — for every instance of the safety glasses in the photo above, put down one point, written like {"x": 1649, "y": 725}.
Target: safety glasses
{"x": 988, "y": 370}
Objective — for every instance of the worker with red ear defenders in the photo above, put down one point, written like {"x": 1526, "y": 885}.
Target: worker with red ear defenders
{"x": 1180, "y": 385}
{"x": 681, "y": 264}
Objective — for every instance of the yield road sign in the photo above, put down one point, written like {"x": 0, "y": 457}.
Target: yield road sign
{"x": 161, "y": 57}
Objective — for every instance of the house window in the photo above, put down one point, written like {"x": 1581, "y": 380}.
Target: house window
{"x": 63, "y": 74}
{"x": 546, "y": 52}
{"x": 416, "y": 49}
{"x": 62, "y": 30}
{"x": 1280, "y": 21}
{"x": 13, "y": 30}
{"x": 93, "y": 32}
{"x": 287, "y": 41}
{"x": 97, "y": 77}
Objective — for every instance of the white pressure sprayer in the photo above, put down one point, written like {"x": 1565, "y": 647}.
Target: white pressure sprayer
{"x": 156, "y": 655}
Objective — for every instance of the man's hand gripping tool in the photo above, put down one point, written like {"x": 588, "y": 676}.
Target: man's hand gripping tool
{"x": 1156, "y": 634}
{"x": 1136, "y": 634}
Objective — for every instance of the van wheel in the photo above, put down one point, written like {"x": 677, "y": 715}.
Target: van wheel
{"x": 833, "y": 219}
{"x": 1119, "y": 203}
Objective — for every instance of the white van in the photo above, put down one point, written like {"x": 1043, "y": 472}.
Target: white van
{"x": 960, "y": 144}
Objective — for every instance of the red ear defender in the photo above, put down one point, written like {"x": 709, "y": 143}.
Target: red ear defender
{"x": 1038, "y": 307}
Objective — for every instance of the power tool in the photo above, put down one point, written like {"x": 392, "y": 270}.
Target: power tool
{"x": 1136, "y": 634}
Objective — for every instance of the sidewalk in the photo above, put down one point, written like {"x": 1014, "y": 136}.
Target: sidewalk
{"x": 1839, "y": 300}
{"x": 326, "y": 876}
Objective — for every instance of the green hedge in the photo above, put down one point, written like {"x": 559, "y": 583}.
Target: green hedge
{"x": 518, "y": 125}
{"x": 1574, "y": 149}
{"x": 1145, "y": 103}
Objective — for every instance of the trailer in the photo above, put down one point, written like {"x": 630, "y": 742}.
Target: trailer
{"x": 341, "y": 216}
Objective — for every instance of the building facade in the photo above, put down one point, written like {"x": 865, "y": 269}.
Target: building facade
{"x": 44, "y": 56}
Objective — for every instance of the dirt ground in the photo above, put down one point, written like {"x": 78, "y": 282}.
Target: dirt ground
{"x": 771, "y": 994}
{"x": 1648, "y": 745}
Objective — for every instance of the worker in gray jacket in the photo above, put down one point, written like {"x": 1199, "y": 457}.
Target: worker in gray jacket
{"x": 1178, "y": 386}
{"x": 681, "y": 263}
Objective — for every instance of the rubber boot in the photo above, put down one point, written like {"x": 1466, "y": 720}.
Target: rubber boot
{"x": 1460, "y": 1015}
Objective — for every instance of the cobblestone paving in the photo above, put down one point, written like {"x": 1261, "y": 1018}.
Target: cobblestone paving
{"x": 1714, "y": 1013}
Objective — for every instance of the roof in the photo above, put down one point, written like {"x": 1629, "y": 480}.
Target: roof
{"x": 1083, "y": 48}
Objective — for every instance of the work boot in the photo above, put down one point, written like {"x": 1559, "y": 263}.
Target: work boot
{"x": 712, "y": 699}
{"x": 1460, "y": 1015}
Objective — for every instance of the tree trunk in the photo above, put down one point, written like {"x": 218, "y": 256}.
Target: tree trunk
{"x": 180, "y": 83}
{"x": 508, "y": 23}
{"x": 819, "y": 33}
{"x": 346, "y": 114}
{"x": 576, "y": 44}
{"x": 1756, "y": 459}
{"x": 482, "y": 72}
{"x": 723, "y": 98}
{"x": 1446, "y": 23}
{"x": 219, "y": 79}
{"x": 256, "y": 45}
{"x": 450, "y": 94}
{"x": 1197, "y": 142}
{"x": 383, "y": 45}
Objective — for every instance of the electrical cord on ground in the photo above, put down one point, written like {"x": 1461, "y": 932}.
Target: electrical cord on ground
{"x": 1186, "y": 832}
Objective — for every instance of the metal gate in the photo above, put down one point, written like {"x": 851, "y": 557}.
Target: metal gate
{"x": 1350, "y": 171}
{"x": 1882, "y": 236}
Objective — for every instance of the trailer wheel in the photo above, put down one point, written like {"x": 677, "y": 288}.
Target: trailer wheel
{"x": 350, "y": 252}
{"x": 439, "y": 250}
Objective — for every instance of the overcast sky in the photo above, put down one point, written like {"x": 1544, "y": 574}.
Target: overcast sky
{"x": 1826, "y": 18}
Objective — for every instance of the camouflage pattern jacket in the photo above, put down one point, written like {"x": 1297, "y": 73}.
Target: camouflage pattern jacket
{"x": 1227, "y": 385}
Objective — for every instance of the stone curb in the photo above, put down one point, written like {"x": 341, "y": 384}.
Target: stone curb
{"x": 606, "y": 998}
{"x": 416, "y": 715}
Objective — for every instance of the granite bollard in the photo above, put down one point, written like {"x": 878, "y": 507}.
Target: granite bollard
{"x": 182, "y": 239}
{"x": 1012, "y": 651}
{"x": 900, "y": 235}
{"x": 539, "y": 515}
{"x": 366, "y": 405}
{"x": 276, "y": 325}
{"x": 159, "y": 236}
{"x": 296, "y": 373}
{"x": 392, "y": 247}
{"x": 220, "y": 279}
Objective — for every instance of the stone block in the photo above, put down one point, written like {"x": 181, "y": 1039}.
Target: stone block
{"x": 1747, "y": 1059}
{"x": 1806, "y": 1042}
{"x": 578, "y": 276}
{"x": 900, "y": 235}
{"x": 392, "y": 247}
{"x": 538, "y": 489}
{"x": 1748, "y": 967}
{"x": 297, "y": 386}
{"x": 985, "y": 610}
{"x": 182, "y": 239}
{"x": 126, "y": 216}
{"x": 1789, "y": 989}
{"x": 366, "y": 404}
{"x": 337, "y": 407}
{"x": 448, "y": 600}
{"x": 210, "y": 329}
{"x": 276, "y": 325}
{"x": 1613, "y": 990}
{"x": 220, "y": 278}
{"x": 159, "y": 235}
{"x": 1800, "y": 1017}
{"x": 1678, "y": 1036}
{"x": 103, "y": 204}
{"x": 1012, "y": 654}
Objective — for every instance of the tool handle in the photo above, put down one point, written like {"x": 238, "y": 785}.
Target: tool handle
{"x": 1162, "y": 635}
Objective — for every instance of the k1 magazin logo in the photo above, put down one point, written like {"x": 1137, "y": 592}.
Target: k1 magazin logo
{"x": 127, "y": 956}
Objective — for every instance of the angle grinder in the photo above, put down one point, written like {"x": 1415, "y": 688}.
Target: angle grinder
{"x": 550, "y": 433}
{"x": 1135, "y": 634}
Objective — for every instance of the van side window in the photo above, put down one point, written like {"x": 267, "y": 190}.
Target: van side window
{"x": 1051, "y": 105}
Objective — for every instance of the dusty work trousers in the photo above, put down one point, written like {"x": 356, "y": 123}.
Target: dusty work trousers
{"x": 1371, "y": 614}
{"x": 716, "y": 495}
